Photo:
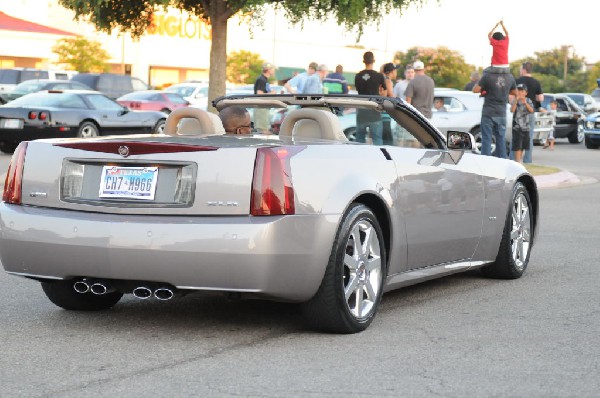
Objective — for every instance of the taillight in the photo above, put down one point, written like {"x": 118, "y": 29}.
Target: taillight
{"x": 272, "y": 190}
{"x": 32, "y": 115}
{"x": 43, "y": 115}
{"x": 14, "y": 176}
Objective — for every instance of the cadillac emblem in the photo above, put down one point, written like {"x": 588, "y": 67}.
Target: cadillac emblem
{"x": 124, "y": 151}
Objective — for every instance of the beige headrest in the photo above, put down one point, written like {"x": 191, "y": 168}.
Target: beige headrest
{"x": 328, "y": 125}
{"x": 194, "y": 121}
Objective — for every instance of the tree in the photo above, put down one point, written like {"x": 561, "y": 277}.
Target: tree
{"x": 446, "y": 67}
{"x": 549, "y": 69}
{"x": 81, "y": 55}
{"x": 243, "y": 67}
{"x": 134, "y": 16}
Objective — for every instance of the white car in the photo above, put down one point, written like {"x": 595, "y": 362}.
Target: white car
{"x": 194, "y": 93}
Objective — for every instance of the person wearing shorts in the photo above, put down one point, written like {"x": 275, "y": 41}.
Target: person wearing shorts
{"x": 521, "y": 107}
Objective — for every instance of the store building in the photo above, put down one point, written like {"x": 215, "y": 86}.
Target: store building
{"x": 175, "y": 48}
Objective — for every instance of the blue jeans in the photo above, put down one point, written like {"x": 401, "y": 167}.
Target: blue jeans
{"x": 493, "y": 126}
{"x": 376, "y": 130}
{"x": 528, "y": 154}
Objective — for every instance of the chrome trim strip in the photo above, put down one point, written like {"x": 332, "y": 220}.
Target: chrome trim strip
{"x": 26, "y": 275}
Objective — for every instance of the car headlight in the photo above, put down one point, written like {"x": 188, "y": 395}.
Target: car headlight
{"x": 589, "y": 124}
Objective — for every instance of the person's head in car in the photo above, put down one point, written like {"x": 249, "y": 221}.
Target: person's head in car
{"x": 236, "y": 120}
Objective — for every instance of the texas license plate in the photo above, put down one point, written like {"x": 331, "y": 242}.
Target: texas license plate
{"x": 11, "y": 123}
{"x": 128, "y": 182}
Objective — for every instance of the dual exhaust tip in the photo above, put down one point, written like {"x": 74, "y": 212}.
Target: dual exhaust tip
{"x": 141, "y": 292}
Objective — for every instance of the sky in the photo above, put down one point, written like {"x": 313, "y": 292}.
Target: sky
{"x": 463, "y": 25}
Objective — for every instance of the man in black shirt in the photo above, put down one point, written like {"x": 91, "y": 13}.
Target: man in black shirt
{"x": 369, "y": 82}
{"x": 535, "y": 94}
{"x": 262, "y": 121}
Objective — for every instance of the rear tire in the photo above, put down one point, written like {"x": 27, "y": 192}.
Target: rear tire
{"x": 352, "y": 286}
{"x": 515, "y": 246}
{"x": 87, "y": 130}
{"x": 578, "y": 135}
{"x": 7, "y": 147}
{"x": 62, "y": 294}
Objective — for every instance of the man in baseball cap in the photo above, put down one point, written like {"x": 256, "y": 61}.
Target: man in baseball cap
{"x": 419, "y": 91}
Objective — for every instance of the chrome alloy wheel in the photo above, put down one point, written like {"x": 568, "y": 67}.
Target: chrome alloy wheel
{"x": 362, "y": 270}
{"x": 520, "y": 234}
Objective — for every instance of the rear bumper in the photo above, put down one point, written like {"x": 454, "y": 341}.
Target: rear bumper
{"x": 278, "y": 257}
{"x": 29, "y": 133}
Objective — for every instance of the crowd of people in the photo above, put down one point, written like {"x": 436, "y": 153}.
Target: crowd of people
{"x": 497, "y": 86}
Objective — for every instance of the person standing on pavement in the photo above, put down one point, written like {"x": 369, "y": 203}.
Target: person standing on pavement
{"x": 474, "y": 79}
{"x": 400, "y": 87}
{"x": 262, "y": 121}
{"x": 369, "y": 82}
{"x": 495, "y": 89}
{"x": 335, "y": 82}
{"x": 419, "y": 91}
{"x": 521, "y": 108}
{"x": 314, "y": 82}
{"x": 296, "y": 84}
{"x": 536, "y": 95}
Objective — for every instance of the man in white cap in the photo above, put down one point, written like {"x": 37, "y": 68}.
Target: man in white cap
{"x": 419, "y": 91}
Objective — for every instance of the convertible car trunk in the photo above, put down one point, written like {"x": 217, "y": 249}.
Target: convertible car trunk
{"x": 199, "y": 177}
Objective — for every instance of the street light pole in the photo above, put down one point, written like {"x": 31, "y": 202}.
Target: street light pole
{"x": 565, "y": 62}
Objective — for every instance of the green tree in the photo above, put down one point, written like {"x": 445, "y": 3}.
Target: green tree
{"x": 549, "y": 69}
{"x": 81, "y": 55}
{"x": 592, "y": 75}
{"x": 446, "y": 67}
{"x": 243, "y": 67}
{"x": 135, "y": 15}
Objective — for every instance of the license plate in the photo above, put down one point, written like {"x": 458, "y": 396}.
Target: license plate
{"x": 128, "y": 182}
{"x": 11, "y": 123}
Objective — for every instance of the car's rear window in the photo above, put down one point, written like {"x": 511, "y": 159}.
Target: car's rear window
{"x": 33, "y": 74}
{"x": 54, "y": 100}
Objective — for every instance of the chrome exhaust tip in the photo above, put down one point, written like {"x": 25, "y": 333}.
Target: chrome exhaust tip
{"x": 164, "y": 293}
{"x": 98, "y": 288}
{"x": 142, "y": 292}
{"x": 81, "y": 287}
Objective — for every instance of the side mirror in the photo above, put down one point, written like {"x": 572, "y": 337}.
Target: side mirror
{"x": 459, "y": 140}
{"x": 124, "y": 111}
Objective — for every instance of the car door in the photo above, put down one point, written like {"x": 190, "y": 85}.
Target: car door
{"x": 566, "y": 118}
{"x": 116, "y": 119}
{"x": 442, "y": 201}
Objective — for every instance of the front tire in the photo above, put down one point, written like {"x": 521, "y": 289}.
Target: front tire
{"x": 352, "y": 286}
{"x": 515, "y": 246}
{"x": 589, "y": 144}
{"x": 62, "y": 294}
{"x": 159, "y": 128}
{"x": 87, "y": 130}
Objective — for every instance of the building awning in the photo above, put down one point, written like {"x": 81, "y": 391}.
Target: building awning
{"x": 20, "y": 25}
{"x": 286, "y": 72}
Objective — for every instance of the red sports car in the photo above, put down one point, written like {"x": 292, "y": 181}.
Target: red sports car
{"x": 153, "y": 100}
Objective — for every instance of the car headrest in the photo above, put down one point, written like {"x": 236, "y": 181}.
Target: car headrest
{"x": 325, "y": 125}
{"x": 193, "y": 121}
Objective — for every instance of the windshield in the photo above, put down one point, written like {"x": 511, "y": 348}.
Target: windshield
{"x": 55, "y": 100}
{"x": 186, "y": 91}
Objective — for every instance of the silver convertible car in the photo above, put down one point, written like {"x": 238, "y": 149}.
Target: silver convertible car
{"x": 304, "y": 216}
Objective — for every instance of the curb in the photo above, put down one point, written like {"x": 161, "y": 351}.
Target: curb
{"x": 562, "y": 178}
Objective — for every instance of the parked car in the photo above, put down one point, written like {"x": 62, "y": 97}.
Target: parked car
{"x": 111, "y": 84}
{"x": 569, "y": 117}
{"x": 70, "y": 114}
{"x": 591, "y": 131}
{"x": 33, "y": 86}
{"x": 194, "y": 93}
{"x": 305, "y": 216}
{"x": 585, "y": 102}
{"x": 9, "y": 78}
{"x": 153, "y": 100}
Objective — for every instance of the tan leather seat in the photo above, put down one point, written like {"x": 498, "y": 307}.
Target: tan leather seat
{"x": 193, "y": 121}
{"x": 312, "y": 123}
